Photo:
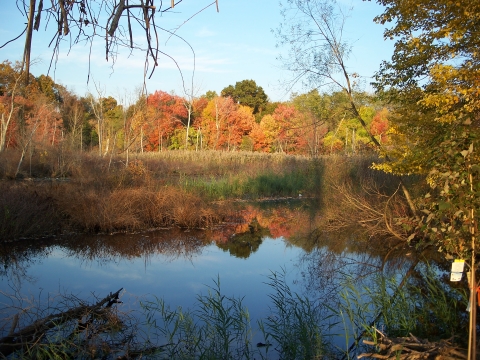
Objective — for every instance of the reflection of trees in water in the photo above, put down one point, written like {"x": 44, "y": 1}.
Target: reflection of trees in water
{"x": 294, "y": 220}
{"x": 242, "y": 245}
{"x": 336, "y": 257}
{"x": 172, "y": 244}
{"x": 290, "y": 219}
{"x": 17, "y": 257}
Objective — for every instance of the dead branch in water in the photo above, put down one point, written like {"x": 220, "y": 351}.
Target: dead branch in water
{"x": 33, "y": 334}
{"x": 369, "y": 208}
{"x": 412, "y": 348}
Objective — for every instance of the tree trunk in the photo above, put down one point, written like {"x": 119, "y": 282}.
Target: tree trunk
{"x": 28, "y": 42}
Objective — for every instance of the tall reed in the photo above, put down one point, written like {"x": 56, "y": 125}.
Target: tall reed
{"x": 422, "y": 305}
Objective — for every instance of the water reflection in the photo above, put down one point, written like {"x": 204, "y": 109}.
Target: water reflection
{"x": 297, "y": 222}
{"x": 176, "y": 264}
{"x": 172, "y": 244}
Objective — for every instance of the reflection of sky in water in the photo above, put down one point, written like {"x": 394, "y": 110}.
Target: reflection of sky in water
{"x": 178, "y": 267}
{"x": 178, "y": 281}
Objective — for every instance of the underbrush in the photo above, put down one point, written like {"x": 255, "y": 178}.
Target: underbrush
{"x": 28, "y": 211}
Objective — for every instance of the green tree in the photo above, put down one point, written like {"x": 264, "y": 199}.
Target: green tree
{"x": 210, "y": 94}
{"x": 247, "y": 93}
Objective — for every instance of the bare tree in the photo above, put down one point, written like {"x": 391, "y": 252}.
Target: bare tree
{"x": 96, "y": 105}
{"x": 313, "y": 30}
{"x": 8, "y": 112}
{"x": 82, "y": 21}
{"x": 133, "y": 113}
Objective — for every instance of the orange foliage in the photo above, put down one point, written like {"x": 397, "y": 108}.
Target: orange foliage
{"x": 165, "y": 114}
{"x": 214, "y": 123}
{"x": 379, "y": 125}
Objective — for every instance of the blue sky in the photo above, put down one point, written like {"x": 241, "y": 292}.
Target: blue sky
{"x": 232, "y": 45}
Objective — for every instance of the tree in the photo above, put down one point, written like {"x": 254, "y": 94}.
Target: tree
{"x": 379, "y": 125}
{"x": 239, "y": 125}
{"x": 165, "y": 114}
{"x": 313, "y": 31}
{"x": 247, "y": 93}
{"x": 117, "y": 22}
{"x": 73, "y": 113}
{"x": 432, "y": 82}
{"x": 214, "y": 121}
{"x": 10, "y": 79}
{"x": 210, "y": 94}
{"x": 316, "y": 114}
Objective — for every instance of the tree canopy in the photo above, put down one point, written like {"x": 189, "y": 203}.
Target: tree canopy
{"x": 432, "y": 83}
{"x": 246, "y": 92}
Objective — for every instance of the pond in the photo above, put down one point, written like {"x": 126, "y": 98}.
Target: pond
{"x": 178, "y": 265}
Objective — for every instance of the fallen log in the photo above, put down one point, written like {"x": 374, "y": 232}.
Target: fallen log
{"x": 412, "y": 348}
{"x": 33, "y": 333}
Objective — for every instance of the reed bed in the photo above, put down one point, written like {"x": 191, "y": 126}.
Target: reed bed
{"x": 174, "y": 189}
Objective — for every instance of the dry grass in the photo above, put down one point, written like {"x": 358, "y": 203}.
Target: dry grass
{"x": 136, "y": 209}
{"x": 176, "y": 189}
{"x": 27, "y": 210}
{"x": 364, "y": 198}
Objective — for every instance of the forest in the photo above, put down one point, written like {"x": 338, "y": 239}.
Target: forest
{"x": 44, "y": 114}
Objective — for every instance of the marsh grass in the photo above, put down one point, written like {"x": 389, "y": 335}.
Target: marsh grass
{"x": 295, "y": 324}
{"x": 219, "y": 326}
{"x": 424, "y": 306}
{"x": 152, "y": 190}
{"x": 261, "y": 186}
{"x": 176, "y": 189}
{"x": 27, "y": 211}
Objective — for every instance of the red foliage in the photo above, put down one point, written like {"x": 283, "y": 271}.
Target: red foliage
{"x": 379, "y": 125}
{"x": 165, "y": 114}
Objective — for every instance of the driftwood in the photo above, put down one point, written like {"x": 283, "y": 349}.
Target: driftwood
{"x": 33, "y": 333}
{"x": 412, "y": 348}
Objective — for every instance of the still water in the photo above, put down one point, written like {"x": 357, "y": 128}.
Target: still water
{"x": 177, "y": 265}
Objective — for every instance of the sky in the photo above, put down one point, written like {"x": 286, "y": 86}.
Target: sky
{"x": 232, "y": 45}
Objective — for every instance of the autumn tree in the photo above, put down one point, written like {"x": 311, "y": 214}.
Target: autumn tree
{"x": 165, "y": 114}
{"x": 214, "y": 121}
{"x": 432, "y": 81}
{"x": 73, "y": 113}
{"x": 379, "y": 125}
{"x": 10, "y": 83}
{"x": 316, "y": 115}
{"x": 313, "y": 32}
{"x": 265, "y": 135}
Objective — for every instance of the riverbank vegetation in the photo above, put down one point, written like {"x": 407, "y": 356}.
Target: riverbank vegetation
{"x": 184, "y": 189}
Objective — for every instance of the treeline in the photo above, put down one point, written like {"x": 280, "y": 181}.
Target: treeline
{"x": 37, "y": 112}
